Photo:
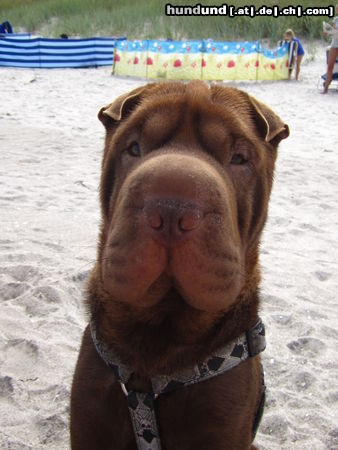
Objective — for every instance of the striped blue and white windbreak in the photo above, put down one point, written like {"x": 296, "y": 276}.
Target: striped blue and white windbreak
{"x": 18, "y": 51}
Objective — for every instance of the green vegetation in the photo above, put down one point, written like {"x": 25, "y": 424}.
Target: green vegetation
{"x": 147, "y": 19}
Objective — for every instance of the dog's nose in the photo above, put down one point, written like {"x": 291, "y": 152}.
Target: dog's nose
{"x": 172, "y": 220}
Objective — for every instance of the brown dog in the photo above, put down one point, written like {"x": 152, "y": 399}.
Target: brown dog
{"x": 186, "y": 177}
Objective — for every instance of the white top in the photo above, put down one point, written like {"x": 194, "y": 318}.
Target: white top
{"x": 334, "y": 42}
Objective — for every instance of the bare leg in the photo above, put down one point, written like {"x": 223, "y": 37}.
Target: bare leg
{"x": 292, "y": 65}
{"x": 299, "y": 61}
{"x": 333, "y": 53}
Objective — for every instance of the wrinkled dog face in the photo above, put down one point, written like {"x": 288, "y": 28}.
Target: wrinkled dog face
{"x": 187, "y": 173}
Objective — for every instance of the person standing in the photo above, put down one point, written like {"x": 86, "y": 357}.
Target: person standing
{"x": 289, "y": 36}
{"x": 333, "y": 54}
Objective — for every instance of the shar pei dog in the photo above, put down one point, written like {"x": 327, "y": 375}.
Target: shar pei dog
{"x": 170, "y": 358}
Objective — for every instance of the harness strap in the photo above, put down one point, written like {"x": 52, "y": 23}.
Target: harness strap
{"x": 259, "y": 413}
{"x": 142, "y": 411}
{"x": 142, "y": 405}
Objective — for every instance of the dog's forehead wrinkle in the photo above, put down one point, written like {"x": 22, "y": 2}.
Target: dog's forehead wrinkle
{"x": 197, "y": 90}
{"x": 160, "y": 118}
{"x": 233, "y": 101}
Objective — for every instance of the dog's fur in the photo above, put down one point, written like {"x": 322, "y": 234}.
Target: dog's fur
{"x": 186, "y": 177}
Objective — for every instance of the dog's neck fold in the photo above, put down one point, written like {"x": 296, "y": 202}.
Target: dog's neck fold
{"x": 153, "y": 349}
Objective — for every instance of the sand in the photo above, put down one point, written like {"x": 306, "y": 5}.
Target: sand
{"x": 51, "y": 145}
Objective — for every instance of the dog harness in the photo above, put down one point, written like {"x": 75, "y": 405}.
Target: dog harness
{"x": 142, "y": 405}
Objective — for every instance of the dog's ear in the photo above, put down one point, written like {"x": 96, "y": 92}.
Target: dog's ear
{"x": 270, "y": 126}
{"x": 121, "y": 107}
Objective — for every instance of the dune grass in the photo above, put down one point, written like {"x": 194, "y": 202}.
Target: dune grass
{"x": 147, "y": 19}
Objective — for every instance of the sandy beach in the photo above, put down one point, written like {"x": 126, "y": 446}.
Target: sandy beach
{"x": 51, "y": 144}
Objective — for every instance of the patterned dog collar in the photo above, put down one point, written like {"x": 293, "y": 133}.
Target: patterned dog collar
{"x": 141, "y": 405}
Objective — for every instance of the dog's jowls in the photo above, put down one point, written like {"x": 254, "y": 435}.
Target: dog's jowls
{"x": 186, "y": 176}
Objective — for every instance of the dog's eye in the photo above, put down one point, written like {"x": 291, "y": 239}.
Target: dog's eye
{"x": 134, "y": 149}
{"x": 238, "y": 159}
